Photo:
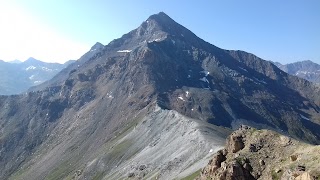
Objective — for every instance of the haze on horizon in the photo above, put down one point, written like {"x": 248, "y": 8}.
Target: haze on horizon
{"x": 58, "y": 31}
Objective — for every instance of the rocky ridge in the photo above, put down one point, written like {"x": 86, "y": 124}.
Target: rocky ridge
{"x": 263, "y": 154}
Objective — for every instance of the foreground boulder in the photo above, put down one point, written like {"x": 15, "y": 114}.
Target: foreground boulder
{"x": 263, "y": 154}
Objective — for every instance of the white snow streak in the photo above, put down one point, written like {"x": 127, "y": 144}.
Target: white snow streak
{"x": 124, "y": 51}
{"x": 303, "y": 117}
{"x": 243, "y": 69}
{"x": 30, "y": 68}
{"x": 204, "y": 79}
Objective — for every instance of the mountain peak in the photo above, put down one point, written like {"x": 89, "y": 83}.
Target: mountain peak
{"x": 32, "y": 60}
{"x": 96, "y": 46}
{"x": 156, "y": 28}
{"x": 307, "y": 62}
{"x": 163, "y": 22}
{"x": 161, "y": 17}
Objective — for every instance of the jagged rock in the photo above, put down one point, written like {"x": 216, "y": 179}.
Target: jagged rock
{"x": 293, "y": 157}
{"x": 78, "y": 172}
{"x": 301, "y": 168}
{"x": 247, "y": 166}
{"x": 263, "y": 156}
{"x": 217, "y": 160}
{"x": 234, "y": 171}
{"x": 142, "y": 167}
{"x": 235, "y": 143}
{"x": 261, "y": 162}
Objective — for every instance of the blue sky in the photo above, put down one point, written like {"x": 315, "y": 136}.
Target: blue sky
{"x": 59, "y": 30}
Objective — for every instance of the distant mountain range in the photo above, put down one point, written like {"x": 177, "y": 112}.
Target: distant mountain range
{"x": 17, "y": 77}
{"x": 305, "y": 69}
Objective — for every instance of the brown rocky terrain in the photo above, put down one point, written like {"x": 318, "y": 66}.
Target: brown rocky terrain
{"x": 263, "y": 154}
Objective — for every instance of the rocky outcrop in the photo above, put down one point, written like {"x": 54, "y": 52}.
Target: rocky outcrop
{"x": 263, "y": 154}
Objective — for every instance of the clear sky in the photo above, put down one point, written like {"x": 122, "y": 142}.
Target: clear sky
{"x": 60, "y": 30}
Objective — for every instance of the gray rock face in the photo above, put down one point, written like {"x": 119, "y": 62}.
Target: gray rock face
{"x": 149, "y": 105}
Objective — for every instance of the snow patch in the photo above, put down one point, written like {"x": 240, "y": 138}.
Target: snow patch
{"x": 31, "y": 77}
{"x": 155, "y": 40}
{"x": 181, "y": 98}
{"x": 173, "y": 42}
{"x": 37, "y": 82}
{"x": 124, "y": 51}
{"x": 204, "y": 79}
{"x": 243, "y": 69}
{"x": 30, "y": 68}
{"x": 260, "y": 81}
{"x": 109, "y": 95}
{"x": 187, "y": 93}
{"x": 189, "y": 76}
{"x": 46, "y": 69}
{"x": 305, "y": 118}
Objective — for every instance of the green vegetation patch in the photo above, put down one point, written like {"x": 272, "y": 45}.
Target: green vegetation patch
{"x": 192, "y": 176}
{"x": 63, "y": 170}
{"x": 276, "y": 175}
{"x": 98, "y": 176}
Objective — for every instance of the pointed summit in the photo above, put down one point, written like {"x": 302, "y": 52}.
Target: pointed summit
{"x": 96, "y": 46}
{"x": 156, "y": 28}
{"x": 163, "y": 22}
{"x": 161, "y": 18}
{"x": 31, "y": 60}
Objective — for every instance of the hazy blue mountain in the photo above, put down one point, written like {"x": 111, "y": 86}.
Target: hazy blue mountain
{"x": 17, "y": 77}
{"x": 16, "y": 61}
{"x": 304, "y": 69}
